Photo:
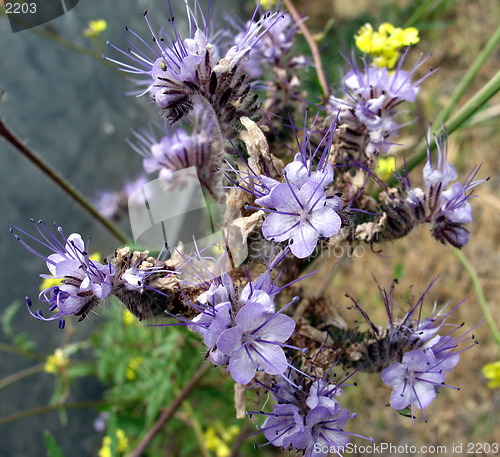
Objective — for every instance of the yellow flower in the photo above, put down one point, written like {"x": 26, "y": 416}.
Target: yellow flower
{"x": 122, "y": 444}
{"x": 56, "y": 362}
{"x": 47, "y": 283}
{"x": 128, "y": 317}
{"x": 132, "y": 365}
{"x": 491, "y": 371}
{"x": 95, "y": 28}
{"x": 267, "y": 4}
{"x": 386, "y": 166}
{"x": 384, "y": 45}
{"x": 217, "y": 438}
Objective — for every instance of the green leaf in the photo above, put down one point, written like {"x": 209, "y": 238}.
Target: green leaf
{"x": 53, "y": 449}
{"x": 406, "y": 412}
{"x": 8, "y": 316}
{"x": 399, "y": 270}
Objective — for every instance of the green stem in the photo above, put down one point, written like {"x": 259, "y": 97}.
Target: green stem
{"x": 60, "y": 181}
{"x": 479, "y": 292}
{"x": 420, "y": 11}
{"x": 464, "y": 114}
{"x": 49, "y": 408}
{"x": 469, "y": 77}
{"x": 11, "y": 349}
{"x": 198, "y": 431}
{"x": 21, "y": 375}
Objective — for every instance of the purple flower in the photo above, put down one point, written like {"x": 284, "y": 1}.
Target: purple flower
{"x": 308, "y": 417}
{"x": 414, "y": 380}
{"x": 113, "y": 204}
{"x": 300, "y": 215}
{"x": 321, "y": 393}
{"x": 84, "y": 282}
{"x": 283, "y": 424}
{"x": 323, "y": 430}
{"x": 214, "y": 318}
{"x": 254, "y": 343}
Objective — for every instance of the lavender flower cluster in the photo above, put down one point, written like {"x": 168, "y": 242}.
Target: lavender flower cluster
{"x": 292, "y": 197}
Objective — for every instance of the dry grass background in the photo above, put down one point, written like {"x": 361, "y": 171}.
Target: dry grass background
{"x": 471, "y": 415}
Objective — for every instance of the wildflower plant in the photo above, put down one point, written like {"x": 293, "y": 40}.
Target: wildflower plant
{"x": 289, "y": 187}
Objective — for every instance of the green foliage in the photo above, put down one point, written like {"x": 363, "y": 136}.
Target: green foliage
{"x": 53, "y": 449}
{"x": 145, "y": 368}
{"x": 19, "y": 339}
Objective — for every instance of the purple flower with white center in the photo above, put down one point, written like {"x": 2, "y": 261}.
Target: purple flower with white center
{"x": 254, "y": 343}
{"x": 300, "y": 210}
{"x": 321, "y": 393}
{"x": 215, "y": 317}
{"x": 323, "y": 430}
{"x": 84, "y": 282}
{"x": 282, "y": 425}
{"x": 308, "y": 416}
{"x": 414, "y": 380}
{"x": 300, "y": 215}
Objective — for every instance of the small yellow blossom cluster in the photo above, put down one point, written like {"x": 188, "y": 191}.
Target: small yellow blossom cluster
{"x": 491, "y": 371}
{"x": 121, "y": 447}
{"x": 386, "y": 166}
{"x": 95, "y": 28}
{"x": 132, "y": 365}
{"x": 384, "y": 45}
{"x": 56, "y": 362}
{"x": 267, "y": 4}
{"x": 218, "y": 438}
{"x": 128, "y": 317}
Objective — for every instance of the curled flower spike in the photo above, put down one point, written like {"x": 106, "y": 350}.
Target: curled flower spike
{"x": 367, "y": 114}
{"x": 445, "y": 202}
{"x": 178, "y": 72}
{"x": 178, "y": 149}
{"x": 145, "y": 285}
{"x": 274, "y": 47}
{"x": 84, "y": 282}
